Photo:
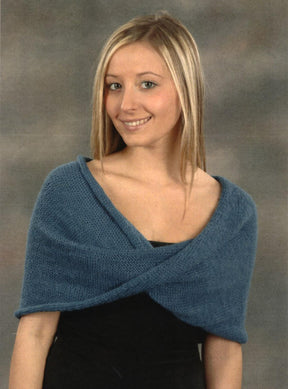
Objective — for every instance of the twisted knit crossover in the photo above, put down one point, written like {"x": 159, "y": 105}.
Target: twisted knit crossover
{"x": 82, "y": 252}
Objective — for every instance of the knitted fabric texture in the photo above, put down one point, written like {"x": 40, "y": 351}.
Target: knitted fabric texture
{"x": 81, "y": 252}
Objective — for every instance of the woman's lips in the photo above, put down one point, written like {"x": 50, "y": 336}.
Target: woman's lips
{"x": 136, "y": 123}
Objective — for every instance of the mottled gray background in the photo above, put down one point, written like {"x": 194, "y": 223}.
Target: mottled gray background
{"x": 49, "y": 51}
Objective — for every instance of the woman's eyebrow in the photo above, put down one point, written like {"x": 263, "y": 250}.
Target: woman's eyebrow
{"x": 138, "y": 74}
{"x": 144, "y": 73}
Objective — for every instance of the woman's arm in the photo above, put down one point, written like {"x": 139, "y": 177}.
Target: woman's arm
{"x": 223, "y": 363}
{"x": 33, "y": 339}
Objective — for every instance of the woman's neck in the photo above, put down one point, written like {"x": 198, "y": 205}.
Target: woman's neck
{"x": 151, "y": 164}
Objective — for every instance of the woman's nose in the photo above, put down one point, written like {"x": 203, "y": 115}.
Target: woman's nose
{"x": 129, "y": 100}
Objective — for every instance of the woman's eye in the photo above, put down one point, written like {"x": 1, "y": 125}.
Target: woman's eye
{"x": 148, "y": 84}
{"x": 114, "y": 86}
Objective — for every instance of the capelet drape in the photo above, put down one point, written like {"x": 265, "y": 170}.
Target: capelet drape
{"x": 81, "y": 252}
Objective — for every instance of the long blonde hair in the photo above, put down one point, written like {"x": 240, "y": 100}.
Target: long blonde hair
{"x": 174, "y": 43}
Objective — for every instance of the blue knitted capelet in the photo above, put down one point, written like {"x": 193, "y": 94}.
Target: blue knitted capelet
{"x": 81, "y": 252}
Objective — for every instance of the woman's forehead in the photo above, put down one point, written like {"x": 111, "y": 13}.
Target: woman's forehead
{"x": 137, "y": 58}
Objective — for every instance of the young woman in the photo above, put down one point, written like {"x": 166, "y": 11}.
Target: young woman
{"x": 137, "y": 256}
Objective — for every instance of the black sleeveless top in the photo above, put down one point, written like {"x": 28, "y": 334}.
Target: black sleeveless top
{"x": 129, "y": 343}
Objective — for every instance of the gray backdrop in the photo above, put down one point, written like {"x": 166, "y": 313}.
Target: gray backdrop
{"x": 49, "y": 51}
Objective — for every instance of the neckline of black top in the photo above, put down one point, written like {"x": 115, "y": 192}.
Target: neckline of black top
{"x": 156, "y": 243}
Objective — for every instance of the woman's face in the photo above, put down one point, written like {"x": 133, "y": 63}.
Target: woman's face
{"x": 140, "y": 96}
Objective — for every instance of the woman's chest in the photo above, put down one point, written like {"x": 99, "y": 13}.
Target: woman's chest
{"x": 159, "y": 213}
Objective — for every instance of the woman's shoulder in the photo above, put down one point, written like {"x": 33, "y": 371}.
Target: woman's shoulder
{"x": 232, "y": 195}
{"x": 64, "y": 169}
{"x": 110, "y": 164}
{"x": 206, "y": 185}
{"x": 62, "y": 178}
{"x": 111, "y": 171}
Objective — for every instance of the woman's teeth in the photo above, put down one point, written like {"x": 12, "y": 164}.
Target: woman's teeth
{"x": 137, "y": 122}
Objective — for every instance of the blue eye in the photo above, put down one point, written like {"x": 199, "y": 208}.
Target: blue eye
{"x": 148, "y": 84}
{"x": 114, "y": 86}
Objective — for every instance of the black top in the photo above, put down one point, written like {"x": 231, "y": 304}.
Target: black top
{"x": 130, "y": 343}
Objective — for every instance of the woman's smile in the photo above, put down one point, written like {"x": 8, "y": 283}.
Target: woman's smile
{"x": 136, "y": 123}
